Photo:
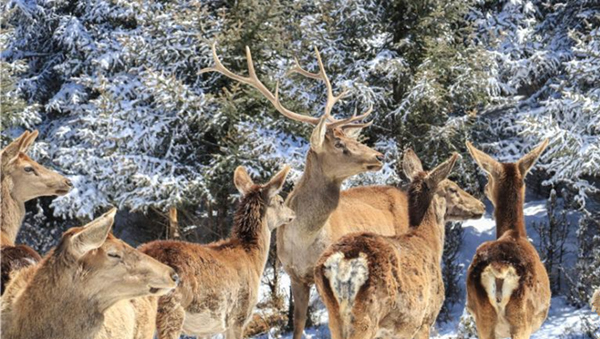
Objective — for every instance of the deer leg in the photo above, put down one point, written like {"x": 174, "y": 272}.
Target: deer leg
{"x": 486, "y": 332}
{"x": 423, "y": 332}
{"x": 301, "y": 293}
{"x": 335, "y": 326}
{"x": 170, "y": 317}
{"x": 234, "y": 332}
{"x": 524, "y": 333}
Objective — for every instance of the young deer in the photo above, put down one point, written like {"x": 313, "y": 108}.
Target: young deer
{"x": 220, "y": 281}
{"x": 508, "y": 291}
{"x": 22, "y": 179}
{"x": 378, "y": 286}
{"x": 66, "y": 294}
{"x": 325, "y": 213}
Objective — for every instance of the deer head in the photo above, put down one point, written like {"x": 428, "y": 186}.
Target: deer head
{"x": 26, "y": 178}
{"x": 109, "y": 269}
{"x": 333, "y": 142}
{"x": 505, "y": 177}
{"x": 460, "y": 205}
{"x": 277, "y": 213}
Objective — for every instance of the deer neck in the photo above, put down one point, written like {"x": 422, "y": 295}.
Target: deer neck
{"x": 432, "y": 225}
{"x": 259, "y": 250}
{"x": 508, "y": 213}
{"x": 252, "y": 232}
{"x": 67, "y": 307}
{"x": 12, "y": 213}
{"x": 314, "y": 198}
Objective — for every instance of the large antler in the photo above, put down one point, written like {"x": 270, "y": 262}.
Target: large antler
{"x": 253, "y": 81}
{"x": 331, "y": 98}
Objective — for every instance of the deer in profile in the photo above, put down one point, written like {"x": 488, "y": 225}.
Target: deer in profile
{"x": 22, "y": 179}
{"x": 66, "y": 295}
{"x": 220, "y": 281}
{"x": 377, "y": 286}
{"x": 325, "y": 213}
{"x": 508, "y": 290}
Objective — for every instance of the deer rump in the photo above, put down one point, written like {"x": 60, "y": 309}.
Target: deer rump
{"x": 347, "y": 269}
{"x": 348, "y": 272}
{"x": 500, "y": 271}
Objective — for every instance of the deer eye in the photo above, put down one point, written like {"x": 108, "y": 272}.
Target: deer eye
{"x": 114, "y": 255}
{"x": 339, "y": 144}
{"x": 453, "y": 190}
{"x": 28, "y": 169}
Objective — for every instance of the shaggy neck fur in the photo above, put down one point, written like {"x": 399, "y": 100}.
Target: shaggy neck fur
{"x": 12, "y": 213}
{"x": 250, "y": 227}
{"x": 314, "y": 198}
{"x": 419, "y": 200}
{"x": 56, "y": 302}
{"x": 509, "y": 205}
{"x": 249, "y": 221}
{"x": 425, "y": 217}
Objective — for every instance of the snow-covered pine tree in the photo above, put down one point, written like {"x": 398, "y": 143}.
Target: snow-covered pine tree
{"x": 552, "y": 241}
{"x": 125, "y": 113}
{"x": 121, "y": 115}
{"x": 14, "y": 110}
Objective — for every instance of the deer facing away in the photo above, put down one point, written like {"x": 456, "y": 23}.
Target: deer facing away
{"x": 220, "y": 281}
{"x": 22, "y": 179}
{"x": 325, "y": 213}
{"x": 378, "y": 286}
{"x": 508, "y": 290}
{"x": 66, "y": 295}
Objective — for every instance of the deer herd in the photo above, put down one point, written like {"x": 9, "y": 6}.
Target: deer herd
{"x": 373, "y": 252}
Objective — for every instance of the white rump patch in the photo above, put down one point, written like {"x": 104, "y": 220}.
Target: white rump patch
{"x": 499, "y": 284}
{"x": 346, "y": 276}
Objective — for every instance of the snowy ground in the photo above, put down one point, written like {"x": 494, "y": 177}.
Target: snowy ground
{"x": 564, "y": 321}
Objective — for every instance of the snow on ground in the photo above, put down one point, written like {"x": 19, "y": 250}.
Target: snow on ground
{"x": 564, "y": 321}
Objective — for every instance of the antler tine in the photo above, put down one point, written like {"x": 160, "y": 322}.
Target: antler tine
{"x": 321, "y": 75}
{"x": 298, "y": 69}
{"x": 220, "y": 68}
{"x": 353, "y": 118}
{"x": 253, "y": 81}
{"x": 331, "y": 99}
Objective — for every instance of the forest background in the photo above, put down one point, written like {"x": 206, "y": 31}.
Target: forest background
{"x": 114, "y": 88}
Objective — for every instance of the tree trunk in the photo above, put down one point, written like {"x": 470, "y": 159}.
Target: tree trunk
{"x": 173, "y": 233}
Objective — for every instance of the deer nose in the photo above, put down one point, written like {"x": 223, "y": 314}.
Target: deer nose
{"x": 68, "y": 183}
{"x": 175, "y": 278}
{"x": 379, "y": 157}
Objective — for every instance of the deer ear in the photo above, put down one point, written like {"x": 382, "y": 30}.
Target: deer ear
{"x": 411, "y": 164}
{"x": 526, "y": 162}
{"x": 92, "y": 235}
{"x": 441, "y": 172}
{"x": 12, "y": 150}
{"x": 242, "y": 180}
{"x": 29, "y": 141}
{"x": 318, "y": 135}
{"x": 352, "y": 132}
{"x": 485, "y": 162}
{"x": 276, "y": 184}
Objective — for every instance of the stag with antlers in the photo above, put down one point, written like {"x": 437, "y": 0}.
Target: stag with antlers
{"x": 324, "y": 212}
